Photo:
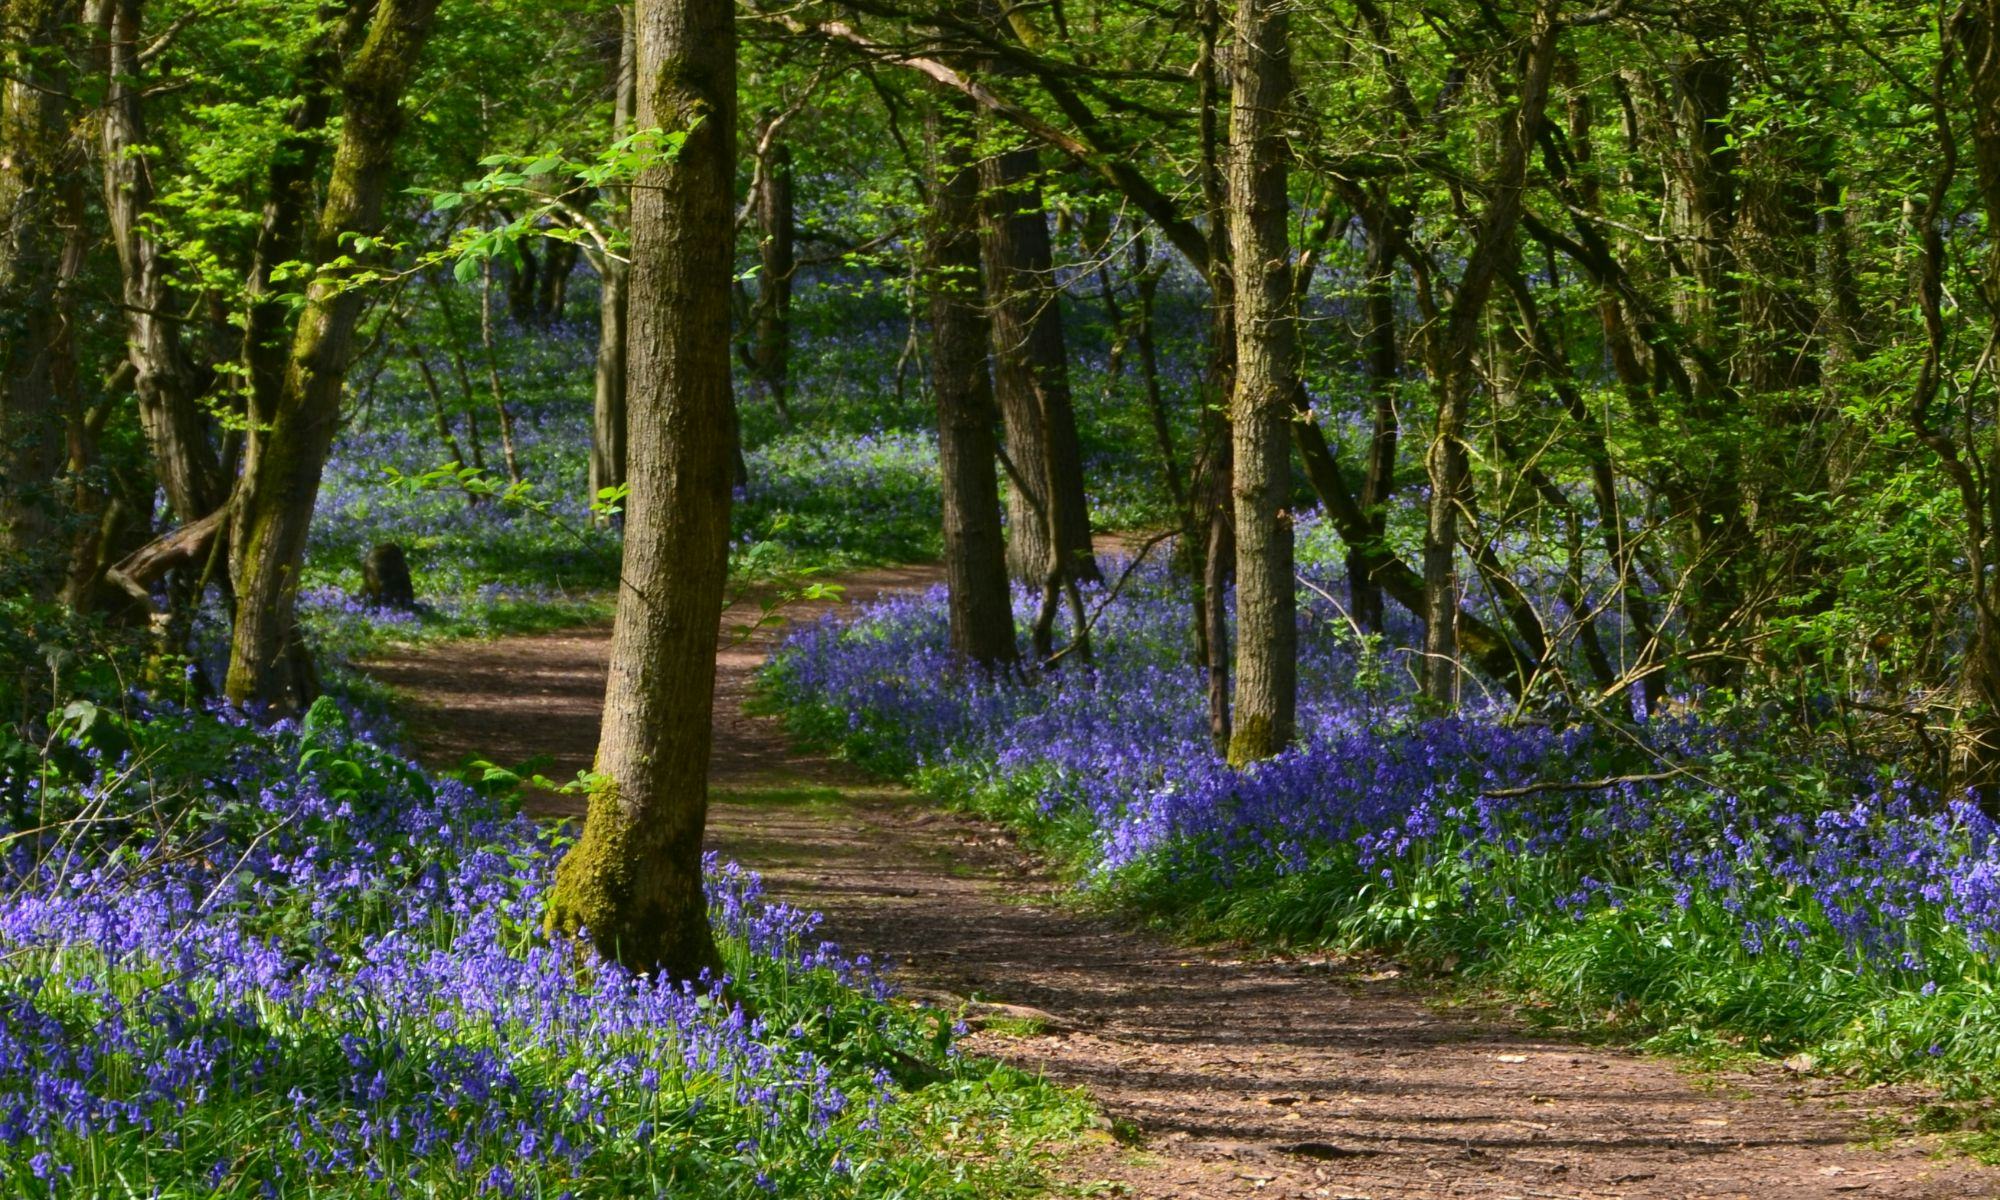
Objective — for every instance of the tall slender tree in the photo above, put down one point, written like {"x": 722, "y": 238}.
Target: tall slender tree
{"x": 634, "y": 878}
{"x": 1450, "y": 353}
{"x": 1267, "y": 371}
{"x": 607, "y": 413}
{"x": 777, "y": 259}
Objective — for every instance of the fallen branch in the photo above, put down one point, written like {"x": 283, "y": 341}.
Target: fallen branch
{"x": 1582, "y": 785}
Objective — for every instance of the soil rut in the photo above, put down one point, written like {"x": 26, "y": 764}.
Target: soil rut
{"x": 1284, "y": 1078}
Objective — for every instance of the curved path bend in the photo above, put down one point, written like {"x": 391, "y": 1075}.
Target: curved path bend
{"x": 1225, "y": 1076}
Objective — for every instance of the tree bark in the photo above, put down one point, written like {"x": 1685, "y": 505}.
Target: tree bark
{"x": 634, "y": 879}
{"x": 283, "y": 459}
{"x": 33, "y": 333}
{"x": 1031, "y": 374}
{"x": 982, "y": 617}
{"x": 607, "y": 413}
{"x": 1266, "y": 374}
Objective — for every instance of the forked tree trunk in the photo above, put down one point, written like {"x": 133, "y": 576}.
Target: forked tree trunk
{"x": 1266, "y": 374}
{"x": 607, "y": 414}
{"x": 558, "y": 264}
{"x": 634, "y": 879}
{"x": 284, "y": 459}
{"x": 982, "y": 618}
{"x": 33, "y": 446}
{"x": 1031, "y": 374}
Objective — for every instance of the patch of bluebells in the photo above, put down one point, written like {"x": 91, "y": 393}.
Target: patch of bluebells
{"x": 853, "y": 499}
{"x": 297, "y": 963}
{"x": 1385, "y": 824}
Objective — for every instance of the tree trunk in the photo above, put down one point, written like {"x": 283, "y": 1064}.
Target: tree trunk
{"x": 166, "y": 381}
{"x": 1693, "y": 136}
{"x": 607, "y": 414}
{"x": 982, "y": 617}
{"x": 772, "y": 336}
{"x": 524, "y": 286}
{"x": 1266, "y": 373}
{"x": 33, "y": 137}
{"x": 1031, "y": 373}
{"x": 634, "y": 879}
{"x": 283, "y": 462}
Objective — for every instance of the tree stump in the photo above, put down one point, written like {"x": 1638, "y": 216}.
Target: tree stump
{"x": 385, "y": 578}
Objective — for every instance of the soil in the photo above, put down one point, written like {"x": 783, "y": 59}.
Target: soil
{"x": 1223, "y": 1073}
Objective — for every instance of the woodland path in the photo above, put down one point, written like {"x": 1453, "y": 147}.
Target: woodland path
{"x": 1300, "y": 1077}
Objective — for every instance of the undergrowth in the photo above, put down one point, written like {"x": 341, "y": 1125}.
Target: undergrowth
{"x": 1788, "y": 902}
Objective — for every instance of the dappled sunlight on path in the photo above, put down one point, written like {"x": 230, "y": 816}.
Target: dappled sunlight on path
{"x": 1224, "y": 1076}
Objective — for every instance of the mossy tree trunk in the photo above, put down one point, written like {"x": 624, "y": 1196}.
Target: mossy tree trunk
{"x": 634, "y": 879}
{"x": 982, "y": 618}
{"x": 290, "y": 187}
{"x": 1266, "y": 375}
{"x": 287, "y": 446}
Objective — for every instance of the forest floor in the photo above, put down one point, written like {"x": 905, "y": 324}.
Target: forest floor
{"x": 1224, "y": 1073}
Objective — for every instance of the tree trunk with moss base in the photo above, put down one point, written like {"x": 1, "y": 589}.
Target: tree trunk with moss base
{"x": 1266, "y": 374}
{"x": 287, "y": 446}
{"x": 634, "y": 879}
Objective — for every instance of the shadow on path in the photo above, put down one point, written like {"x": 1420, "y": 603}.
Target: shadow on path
{"x": 1282, "y": 1078}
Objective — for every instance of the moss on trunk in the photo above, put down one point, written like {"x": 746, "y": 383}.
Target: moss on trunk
{"x": 633, "y": 904}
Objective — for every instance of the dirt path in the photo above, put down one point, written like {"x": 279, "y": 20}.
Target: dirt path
{"x": 1241, "y": 1077}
